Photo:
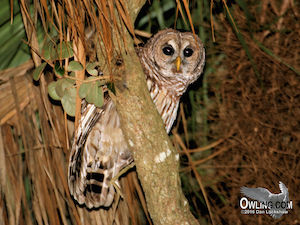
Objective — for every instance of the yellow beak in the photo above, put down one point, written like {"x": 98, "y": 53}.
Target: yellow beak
{"x": 178, "y": 63}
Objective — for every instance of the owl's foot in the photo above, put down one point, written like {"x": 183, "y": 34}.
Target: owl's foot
{"x": 114, "y": 180}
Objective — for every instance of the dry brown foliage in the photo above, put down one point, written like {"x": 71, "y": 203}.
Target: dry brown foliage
{"x": 34, "y": 141}
{"x": 254, "y": 119}
{"x": 34, "y": 158}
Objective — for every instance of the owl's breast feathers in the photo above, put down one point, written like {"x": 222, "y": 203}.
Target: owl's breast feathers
{"x": 166, "y": 103}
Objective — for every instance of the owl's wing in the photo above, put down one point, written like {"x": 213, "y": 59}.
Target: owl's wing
{"x": 99, "y": 152}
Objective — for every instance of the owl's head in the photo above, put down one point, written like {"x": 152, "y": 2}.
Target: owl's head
{"x": 175, "y": 56}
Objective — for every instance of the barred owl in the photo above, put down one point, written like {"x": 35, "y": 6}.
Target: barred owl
{"x": 171, "y": 61}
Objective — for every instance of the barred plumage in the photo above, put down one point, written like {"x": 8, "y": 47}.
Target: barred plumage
{"x": 99, "y": 150}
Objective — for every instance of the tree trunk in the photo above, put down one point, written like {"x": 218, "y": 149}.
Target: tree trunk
{"x": 157, "y": 162}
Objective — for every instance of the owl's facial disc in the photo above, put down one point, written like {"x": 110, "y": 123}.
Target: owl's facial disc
{"x": 177, "y": 55}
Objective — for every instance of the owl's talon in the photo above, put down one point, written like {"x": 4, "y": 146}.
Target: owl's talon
{"x": 115, "y": 178}
{"x": 117, "y": 187}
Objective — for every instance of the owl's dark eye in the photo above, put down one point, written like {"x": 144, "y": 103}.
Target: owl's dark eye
{"x": 168, "y": 50}
{"x": 187, "y": 52}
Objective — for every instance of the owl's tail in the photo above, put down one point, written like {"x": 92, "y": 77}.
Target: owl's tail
{"x": 98, "y": 153}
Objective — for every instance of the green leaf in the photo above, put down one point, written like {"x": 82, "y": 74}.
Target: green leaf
{"x": 68, "y": 101}
{"x": 64, "y": 50}
{"x": 62, "y": 85}
{"x": 90, "y": 68}
{"x": 95, "y": 95}
{"x": 91, "y": 94}
{"x": 53, "y": 52}
{"x": 48, "y": 50}
{"x": 75, "y": 66}
{"x": 59, "y": 70}
{"x": 99, "y": 97}
{"x": 86, "y": 87}
{"x": 38, "y": 71}
{"x": 52, "y": 91}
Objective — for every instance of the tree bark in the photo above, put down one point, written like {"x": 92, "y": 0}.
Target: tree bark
{"x": 157, "y": 162}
